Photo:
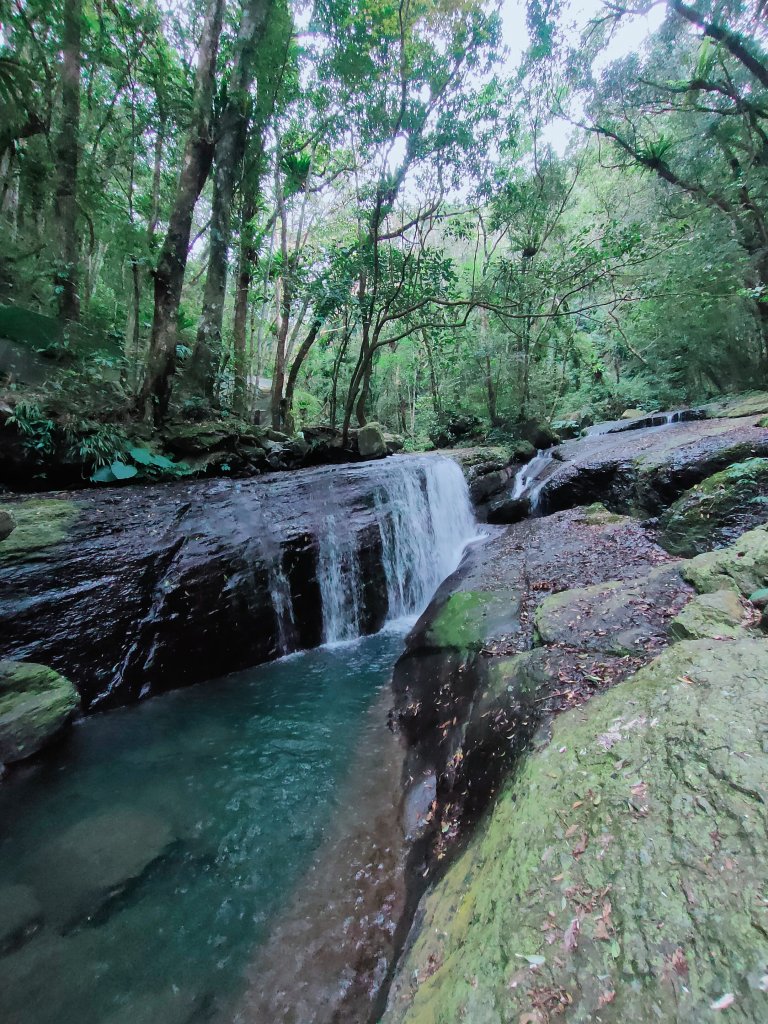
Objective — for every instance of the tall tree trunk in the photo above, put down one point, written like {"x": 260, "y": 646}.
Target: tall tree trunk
{"x": 301, "y": 355}
{"x": 242, "y": 292}
{"x": 228, "y": 157}
{"x": 172, "y": 264}
{"x": 67, "y": 161}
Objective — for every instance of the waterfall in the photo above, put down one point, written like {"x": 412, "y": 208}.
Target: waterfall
{"x": 424, "y": 516}
{"x": 530, "y": 479}
{"x": 425, "y": 520}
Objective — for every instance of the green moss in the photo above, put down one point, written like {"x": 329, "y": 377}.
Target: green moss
{"x": 40, "y": 523}
{"x": 716, "y": 615}
{"x": 621, "y": 876}
{"x": 742, "y": 567}
{"x": 598, "y": 515}
{"x": 717, "y": 509}
{"x": 750, "y": 403}
{"x": 470, "y": 617}
{"x": 35, "y": 704}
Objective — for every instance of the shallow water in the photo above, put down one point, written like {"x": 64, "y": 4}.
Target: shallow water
{"x": 236, "y": 784}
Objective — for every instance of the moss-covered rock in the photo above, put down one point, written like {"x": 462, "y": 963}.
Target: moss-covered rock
{"x": 7, "y": 524}
{"x": 719, "y": 615}
{"x": 751, "y": 403}
{"x": 742, "y": 567}
{"x": 617, "y": 617}
{"x": 36, "y": 703}
{"x": 621, "y": 876}
{"x": 717, "y": 510}
{"x": 371, "y": 442}
{"x": 597, "y": 514}
{"x": 39, "y": 524}
{"x": 470, "y": 617}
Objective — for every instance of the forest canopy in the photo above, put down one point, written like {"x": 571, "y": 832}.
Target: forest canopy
{"x": 355, "y": 210}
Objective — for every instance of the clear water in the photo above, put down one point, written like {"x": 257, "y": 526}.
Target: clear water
{"x": 247, "y": 773}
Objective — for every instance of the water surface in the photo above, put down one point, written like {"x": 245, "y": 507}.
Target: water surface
{"x": 236, "y": 783}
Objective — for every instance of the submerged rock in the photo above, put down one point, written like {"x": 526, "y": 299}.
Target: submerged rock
{"x": 717, "y": 510}
{"x": 36, "y": 704}
{"x": 20, "y": 915}
{"x": 77, "y": 873}
{"x": 620, "y": 875}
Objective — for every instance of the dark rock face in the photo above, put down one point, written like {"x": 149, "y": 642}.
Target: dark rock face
{"x": 648, "y": 468}
{"x": 143, "y": 590}
{"x": 463, "y": 710}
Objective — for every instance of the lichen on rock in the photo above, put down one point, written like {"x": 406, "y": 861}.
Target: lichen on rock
{"x": 719, "y": 615}
{"x": 743, "y": 566}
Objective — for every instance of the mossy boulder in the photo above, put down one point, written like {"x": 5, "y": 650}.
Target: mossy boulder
{"x": 36, "y": 703}
{"x": 720, "y": 615}
{"x": 717, "y": 510}
{"x": 743, "y": 566}
{"x": 39, "y": 524}
{"x": 7, "y": 524}
{"x": 371, "y": 442}
{"x": 621, "y": 876}
{"x": 750, "y": 403}
{"x": 633, "y": 414}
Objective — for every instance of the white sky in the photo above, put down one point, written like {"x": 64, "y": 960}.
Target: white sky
{"x": 630, "y": 37}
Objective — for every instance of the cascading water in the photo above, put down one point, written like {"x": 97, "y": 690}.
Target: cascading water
{"x": 530, "y": 480}
{"x": 425, "y": 519}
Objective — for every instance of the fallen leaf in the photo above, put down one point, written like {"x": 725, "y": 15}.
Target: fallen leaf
{"x": 571, "y": 936}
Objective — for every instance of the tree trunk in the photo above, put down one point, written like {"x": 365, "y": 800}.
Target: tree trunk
{"x": 172, "y": 264}
{"x": 228, "y": 157}
{"x": 67, "y": 161}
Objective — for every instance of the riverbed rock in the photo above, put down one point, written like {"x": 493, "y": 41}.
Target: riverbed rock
{"x": 20, "y": 916}
{"x": 77, "y": 873}
{"x": 506, "y": 509}
{"x": 718, "y": 510}
{"x": 371, "y": 442}
{"x": 742, "y": 567}
{"x": 620, "y": 874}
{"x": 36, "y": 705}
{"x": 618, "y": 617}
{"x": 643, "y": 471}
{"x": 719, "y": 615}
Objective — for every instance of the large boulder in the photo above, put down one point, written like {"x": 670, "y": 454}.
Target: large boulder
{"x": 38, "y": 524}
{"x": 371, "y": 442}
{"x": 620, "y": 876}
{"x": 717, "y": 510}
{"x": 36, "y": 704}
{"x": 717, "y": 616}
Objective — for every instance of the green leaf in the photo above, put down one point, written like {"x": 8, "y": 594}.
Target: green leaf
{"x": 163, "y": 462}
{"x": 103, "y": 475}
{"x": 123, "y": 472}
{"x": 143, "y": 456}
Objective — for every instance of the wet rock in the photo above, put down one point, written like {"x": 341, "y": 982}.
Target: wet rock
{"x": 719, "y": 509}
{"x": 20, "y": 916}
{"x": 7, "y": 524}
{"x": 171, "y": 584}
{"x": 617, "y": 617}
{"x": 507, "y": 510}
{"x": 584, "y": 888}
{"x": 742, "y": 567}
{"x": 394, "y": 443}
{"x": 77, "y": 873}
{"x": 719, "y": 615}
{"x": 36, "y": 705}
{"x": 370, "y": 441}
